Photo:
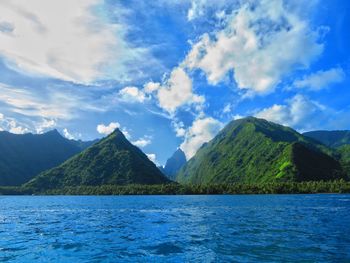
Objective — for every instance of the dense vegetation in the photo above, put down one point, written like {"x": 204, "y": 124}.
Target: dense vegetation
{"x": 174, "y": 164}
{"x": 344, "y": 152}
{"x": 113, "y": 160}
{"x": 339, "y": 186}
{"x": 249, "y": 156}
{"x": 252, "y": 150}
{"x": 331, "y": 139}
{"x": 24, "y": 156}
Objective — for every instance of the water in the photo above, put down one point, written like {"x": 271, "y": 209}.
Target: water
{"x": 256, "y": 228}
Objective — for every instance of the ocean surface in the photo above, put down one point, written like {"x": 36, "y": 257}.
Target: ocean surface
{"x": 238, "y": 228}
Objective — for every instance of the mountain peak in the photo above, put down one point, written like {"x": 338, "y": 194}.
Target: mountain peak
{"x": 113, "y": 160}
{"x": 175, "y": 163}
{"x": 53, "y": 132}
{"x": 254, "y": 150}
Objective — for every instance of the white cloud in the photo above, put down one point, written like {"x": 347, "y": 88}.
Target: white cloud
{"x": 176, "y": 91}
{"x": 67, "y": 134}
{"x": 196, "y": 10}
{"x": 126, "y": 133}
{"x": 201, "y": 131}
{"x": 132, "y": 94}
{"x": 238, "y": 116}
{"x": 259, "y": 45}
{"x": 227, "y": 108}
{"x": 179, "y": 128}
{"x": 304, "y": 114}
{"x": 107, "y": 129}
{"x": 151, "y": 87}
{"x": 321, "y": 79}
{"x": 201, "y": 8}
{"x": 44, "y": 125}
{"x": 12, "y": 125}
{"x": 300, "y": 113}
{"x": 62, "y": 39}
{"x": 48, "y": 103}
{"x": 16, "y": 129}
{"x": 142, "y": 142}
{"x": 152, "y": 157}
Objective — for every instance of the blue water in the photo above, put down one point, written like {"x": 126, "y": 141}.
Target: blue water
{"x": 255, "y": 228}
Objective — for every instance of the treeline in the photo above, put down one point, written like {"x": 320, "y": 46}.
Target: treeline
{"x": 339, "y": 186}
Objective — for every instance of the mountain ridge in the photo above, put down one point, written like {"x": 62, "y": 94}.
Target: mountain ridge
{"x": 331, "y": 139}
{"x": 253, "y": 150}
{"x": 113, "y": 160}
{"x": 22, "y": 156}
{"x": 174, "y": 164}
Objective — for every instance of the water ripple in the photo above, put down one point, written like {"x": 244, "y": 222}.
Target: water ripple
{"x": 269, "y": 228}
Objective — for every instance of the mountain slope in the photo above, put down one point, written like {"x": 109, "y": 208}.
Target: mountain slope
{"x": 252, "y": 150}
{"x": 174, "y": 164}
{"x": 332, "y": 139}
{"x": 345, "y": 157}
{"x": 24, "y": 156}
{"x": 113, "y": 160}
{"x": 82, "y": 145}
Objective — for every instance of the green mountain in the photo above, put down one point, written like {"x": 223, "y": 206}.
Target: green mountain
{"x": 82, "y": 145}
{"x": 252, "y": 150}
{"x": 332, "y": 139}
{"x": 113, "y": 160}
{"x": 345, "y": 157}
{"x": 174, "y": 164}
{"x": 22, "y": 156}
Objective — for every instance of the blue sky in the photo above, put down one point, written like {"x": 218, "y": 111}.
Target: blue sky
{"x": 172, "y": 73}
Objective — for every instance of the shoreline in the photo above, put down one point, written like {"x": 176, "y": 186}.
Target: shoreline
{"x": 314, "y": 187}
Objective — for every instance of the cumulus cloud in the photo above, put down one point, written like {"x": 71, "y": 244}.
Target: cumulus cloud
{"x": 44, "y": 125}
{"x": 262, "y": 43}
{"x": 67, "y": 134}
{"x": 152, "y": 157}
{"x": 176, "y": 91}
{"x": 12, "y": 125}
{"x": 201, "y": 131}
{"x": 321, "y": 79}
{"x": 151, "y": 87}
{"x": 142, "y": 142}
{"x": 61, "y": 39}
{"x": 179, "y": 128}
{"x": 305, "y": 114}
{"x": 107, "y": 129}
{"x": 132, "y": 94}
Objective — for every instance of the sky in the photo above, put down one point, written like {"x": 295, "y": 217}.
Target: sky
{"x": 171, "y": 73}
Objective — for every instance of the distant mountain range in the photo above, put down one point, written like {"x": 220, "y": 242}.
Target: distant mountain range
{"x": 252, "y": 150}
{"x": 174, "y": 164}
{"x": 248, "y": 150}
{"x": 332, "y": 139}
{"x": 24, "y": 156}
{"x": 111, "y": 161}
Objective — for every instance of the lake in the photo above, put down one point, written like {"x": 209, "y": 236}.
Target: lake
{"x": 243, "y": 228}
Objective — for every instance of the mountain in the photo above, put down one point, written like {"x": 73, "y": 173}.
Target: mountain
{"x": 112, "y": 160}
{"x": 345, "y": 157}
{"x": 252, "y": 150}
{"x": 332, "y": 139}
{"x": 22, "y": 156}
{"x": 82, "y": 145}
{"x": 174, "y": 164}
